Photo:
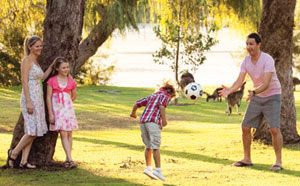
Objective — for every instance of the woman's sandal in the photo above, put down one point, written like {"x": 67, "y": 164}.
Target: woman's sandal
{"x": 9, "y": 158}
{"x": 66, "y": 164}
{"x": 27, "y": 166}
{"x": 72, "y": 164}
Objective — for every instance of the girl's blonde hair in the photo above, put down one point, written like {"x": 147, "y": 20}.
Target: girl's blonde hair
{"x": 29, "y": 42}
{"x": 57, "y": 62}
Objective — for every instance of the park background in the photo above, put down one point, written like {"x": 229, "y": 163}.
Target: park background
{"x": 198, "y": 146}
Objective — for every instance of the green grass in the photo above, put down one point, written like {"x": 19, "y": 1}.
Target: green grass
{"x": 198, "y": 146}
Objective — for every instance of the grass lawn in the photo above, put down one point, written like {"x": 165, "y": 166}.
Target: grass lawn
{"x": 198, "y": 146}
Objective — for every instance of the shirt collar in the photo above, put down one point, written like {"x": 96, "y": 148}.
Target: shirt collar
{"x": 163, "y": 91}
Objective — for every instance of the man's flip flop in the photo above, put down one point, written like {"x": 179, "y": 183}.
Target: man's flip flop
{"x": 241, "y": 164}
{"x": 276, "y": 168}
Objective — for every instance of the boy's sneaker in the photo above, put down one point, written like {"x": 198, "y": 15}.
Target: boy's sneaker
{"x": 150, "y": 174}
{"x": 159, "y": 175}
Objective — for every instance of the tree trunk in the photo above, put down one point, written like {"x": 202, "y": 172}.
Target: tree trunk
{"x": 178, "y": 51}
{"x": 62, "y": 35}
{"x": 276, "y": 29}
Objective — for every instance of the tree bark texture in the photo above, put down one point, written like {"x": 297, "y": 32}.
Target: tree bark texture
{"x": 276, "y": 30}
{"x": 62, "y": 35}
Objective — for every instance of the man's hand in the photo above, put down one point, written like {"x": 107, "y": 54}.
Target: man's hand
{"x": 225, "y": 91}
{"x": 250, "y": 95}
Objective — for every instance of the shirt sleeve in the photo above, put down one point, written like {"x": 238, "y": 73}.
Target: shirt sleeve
{"x": 74, "y": 84}
{"x": 243, "y": 67}
{"x": 141, "y": 102}
{"x": 164, "y": 100}
{"x": 269, "y": 65}
{"x": 50, "y": 82}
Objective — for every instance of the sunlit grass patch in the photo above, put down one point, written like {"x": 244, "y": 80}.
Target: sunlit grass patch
{"x": 198, "y": 146}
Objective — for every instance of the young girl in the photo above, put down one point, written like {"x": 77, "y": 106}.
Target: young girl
{"x": 61, "y": 91}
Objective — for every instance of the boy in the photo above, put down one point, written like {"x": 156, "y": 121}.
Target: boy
{"x": 152, "y": 121}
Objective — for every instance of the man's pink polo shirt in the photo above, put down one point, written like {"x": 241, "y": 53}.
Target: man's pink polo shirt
{"x": 256, "y": 72}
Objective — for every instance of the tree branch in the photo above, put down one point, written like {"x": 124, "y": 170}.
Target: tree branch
{"x": 89, "y": 46}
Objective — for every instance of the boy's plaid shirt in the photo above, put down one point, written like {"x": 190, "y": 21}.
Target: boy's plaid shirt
{"x": 152, "y": 103}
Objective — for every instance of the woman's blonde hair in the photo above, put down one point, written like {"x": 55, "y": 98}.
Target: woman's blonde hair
{"x": 29, "y": 42}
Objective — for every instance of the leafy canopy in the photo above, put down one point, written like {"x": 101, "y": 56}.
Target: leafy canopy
{"x": 17, "y": 20}
{"x": 186, "y": 32}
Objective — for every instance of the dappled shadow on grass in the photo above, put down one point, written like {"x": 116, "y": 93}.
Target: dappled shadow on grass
{"x": 59, "y": 176}
{"x": 186, "y": 155}
{"x": 52, "y": 166}
{"x": 209, "y": 118}
{"x": 181, "y": 104}
{"x": 98, "y": 121}
{"x": 203, "y": 113}
{"x": 179, "y": 131}
{"x": 294, "y": 147}
{"x": 5, "y": 129}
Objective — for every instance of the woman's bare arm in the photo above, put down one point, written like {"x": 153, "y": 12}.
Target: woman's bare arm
{"x": 26, "y": 65}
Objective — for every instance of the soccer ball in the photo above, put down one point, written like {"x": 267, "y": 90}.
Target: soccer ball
{"x": 193, "y": 91}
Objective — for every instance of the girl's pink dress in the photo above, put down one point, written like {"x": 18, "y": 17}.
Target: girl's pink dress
{"x": 62, "y": 105}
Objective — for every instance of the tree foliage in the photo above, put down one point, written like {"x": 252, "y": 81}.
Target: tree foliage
{"x": 182, "y": 51}
{"x": 96, "y": 70}
{"x": 17, "y": 20}
{"x": 240, "y": 15}
{"x": 186, "y": 33}
{"x": 296, "y": 38}
{"x": 121, "y": 14}
{"x": 94, "y": 73}
{"x": 22, "y": 18}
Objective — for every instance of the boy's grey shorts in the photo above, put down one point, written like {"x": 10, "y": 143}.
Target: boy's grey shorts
{"x": 267, "y": 107}
{"x": 151, "y": 135}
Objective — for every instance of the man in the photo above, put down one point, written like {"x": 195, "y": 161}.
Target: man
{"x": 265, "y": 99}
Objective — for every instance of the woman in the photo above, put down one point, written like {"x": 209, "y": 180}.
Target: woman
{"x": 32, "y": 102}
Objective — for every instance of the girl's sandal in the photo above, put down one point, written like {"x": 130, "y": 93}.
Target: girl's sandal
{"x": 9, "y": 158}
{"x": 72, "y": 164}
{"x": 27, "y": 166}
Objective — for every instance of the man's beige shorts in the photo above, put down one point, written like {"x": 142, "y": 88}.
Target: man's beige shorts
{"x": 151, "y": 135}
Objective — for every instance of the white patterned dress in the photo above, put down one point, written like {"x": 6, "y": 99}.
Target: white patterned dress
{"x": 35, "y": 123}
{"x": 63, "y": 111}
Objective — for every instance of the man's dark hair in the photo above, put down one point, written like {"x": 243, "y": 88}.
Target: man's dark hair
{"x": 255, "y": 36}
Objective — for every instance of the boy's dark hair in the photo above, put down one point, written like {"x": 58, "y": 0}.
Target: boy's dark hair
{"x": 169, "y": 87}
{"x": 255, "y": 36}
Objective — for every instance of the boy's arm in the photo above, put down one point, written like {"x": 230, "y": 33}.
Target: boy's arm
{"x": 133, "y": 112}
{"x": 138, "y": 104}
{"x": 162, "y": 110}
